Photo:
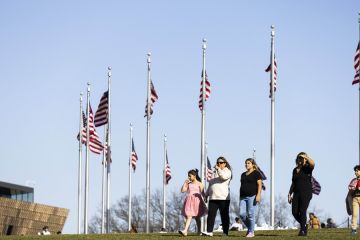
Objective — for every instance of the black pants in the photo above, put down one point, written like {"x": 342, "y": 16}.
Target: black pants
{"x": 300, "y": 204}
{"x": 223, "y": 206}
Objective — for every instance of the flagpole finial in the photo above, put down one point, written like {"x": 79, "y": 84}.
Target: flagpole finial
{"x": 88, "y": 87}
{"x": 81, "y": 96}
{"x": 359, "y": 16}
{"x": 165, "y": 137}
{"x": 109, "y": 71}
{"x": 149, "y": 55}
{"x": 204, "y": 46}
{"x": 272, "y": 30}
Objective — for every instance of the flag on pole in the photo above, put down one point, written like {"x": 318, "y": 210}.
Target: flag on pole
{"x": 209, "y": 171}
{"x": 107, "y": 149}
{"x": 207, "y": 90}
{"x": 268, "y": 69}
{"x": 153, "y": 98}
{"x": 167, "y": 170}
{"x": 95, "y": 144}
{"x": 357, "y": 65}
{"x": 101, "y": 115}
{"x": 134, "y": 156}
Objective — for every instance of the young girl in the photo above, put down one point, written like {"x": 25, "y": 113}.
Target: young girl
{"x": 250, "y": 195}
{"x": 194, "y": 205}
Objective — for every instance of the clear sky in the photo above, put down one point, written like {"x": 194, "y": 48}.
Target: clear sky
{"x": 51, "y": 49}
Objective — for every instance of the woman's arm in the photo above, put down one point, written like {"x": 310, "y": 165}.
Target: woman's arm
{"x": 309, "y": 161}
{"x": 258, "y": 194}
{"x": 291, "y": 190}
{"x": 224, "y": 174}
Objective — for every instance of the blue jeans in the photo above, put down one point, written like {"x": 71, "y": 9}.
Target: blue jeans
{"x": 247, "y": 212}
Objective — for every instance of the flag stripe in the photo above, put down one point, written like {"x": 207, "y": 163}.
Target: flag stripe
{"x": 167, "y": 170}
{"x": 153, "y": 98}
{"x": 207, "y": 90}
{"x": 134, "y": 156}
{"x": 209, "y": 172}
{"x": 101, "y": 115}
{"x": 357, "y": 65}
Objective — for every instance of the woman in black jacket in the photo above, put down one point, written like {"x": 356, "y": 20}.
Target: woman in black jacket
{"x": 300, "y": 192}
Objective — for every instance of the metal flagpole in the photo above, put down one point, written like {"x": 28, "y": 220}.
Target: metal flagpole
{"x": 130, "y": 157}
{"x": 164, "y": 186}
{"x": 103, "y": 192}
{"x": 108, "y": 162}
{"x": 148, "y": 145}
{"x": 202, "y": 161}
{"x": 358, "y": 72}
{"x": 205, "y": 180}
{"x": 254, "y": 154}
{"x": 80, "y": 166}
{"x": 272, "y": 148}
{"x": 87, "y": 162}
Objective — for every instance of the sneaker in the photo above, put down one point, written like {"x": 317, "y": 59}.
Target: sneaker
{"x": 353, "y": 231}
{"x": 208, "y": 234}
{"x": 250, "y": 235}
{"x": 182, "y": 233}
{"x": 302, "y": 233}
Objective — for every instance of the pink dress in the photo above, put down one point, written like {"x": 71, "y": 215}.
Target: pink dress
{"x": 194, "y": 204}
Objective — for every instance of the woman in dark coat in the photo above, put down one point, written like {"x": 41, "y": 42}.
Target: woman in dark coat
{"x": 300, "y": 192}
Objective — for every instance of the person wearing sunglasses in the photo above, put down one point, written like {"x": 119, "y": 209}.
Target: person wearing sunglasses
{"x": 218, "y": 193}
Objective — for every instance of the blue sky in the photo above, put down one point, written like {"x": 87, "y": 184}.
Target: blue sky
{"x": 51, "y": 49}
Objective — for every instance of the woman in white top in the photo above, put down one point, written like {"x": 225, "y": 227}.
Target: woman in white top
{"x": 218, "y": 193}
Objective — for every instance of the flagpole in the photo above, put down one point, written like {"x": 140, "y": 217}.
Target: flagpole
{"x": 202, "y": 161}
{"x": 272, "y": 147}
{"x": 205, "y": 179}
{"x": 147, "y": 225}
{"x": 130, "y": 157}
{"x": 108, "y": 162}
{"x": 254, "y": 154}
{"x": 358, "y": 72}
{"x": 164, "y": 186}
{"x": 87, "y": 162}
{"x": 103, "y": 192}
{"x": 81, "y": 125}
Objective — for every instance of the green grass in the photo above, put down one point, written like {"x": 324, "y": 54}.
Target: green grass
{"x": 341, "y": 234}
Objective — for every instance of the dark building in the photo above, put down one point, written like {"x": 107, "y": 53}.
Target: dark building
{"x": 19, "y": 215}
{"x": 16, "y": 192}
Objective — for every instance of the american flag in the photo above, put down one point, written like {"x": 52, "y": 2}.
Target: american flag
{"x": 101, "y": 115}
{"x": 134, "y": 156}
{"x": 207, "y": 90}
{"x": 209, "y": 171}
{"x": 153, "y": 98}
{"x": 357, "y": 65}
{"x": 167, "y": 170}
{"x": 107, "y": 150}
{"x": 268, "y": 69}
{"x": 315, "y": 185}
{"x": 95, "y": 144}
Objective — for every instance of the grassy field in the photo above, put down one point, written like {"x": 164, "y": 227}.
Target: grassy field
{"x": 341, "y": 234}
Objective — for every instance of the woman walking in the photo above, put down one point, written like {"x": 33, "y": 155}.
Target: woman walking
{"x": 250, "y": 195}
{"x": 218, "y": 193}
{"x": 300, "y": 192}
{"x": 194, "y": 205}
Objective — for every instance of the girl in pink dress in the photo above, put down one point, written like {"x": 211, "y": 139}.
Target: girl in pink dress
{"x": 194, "y": 205}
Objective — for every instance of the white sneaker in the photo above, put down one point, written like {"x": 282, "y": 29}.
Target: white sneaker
{"x": 250, "y": 235}
{"x": 209, "y": 234}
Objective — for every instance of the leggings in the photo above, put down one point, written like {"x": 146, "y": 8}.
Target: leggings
{"x": 300, "y": 203}
{"x": 223, "y": 206}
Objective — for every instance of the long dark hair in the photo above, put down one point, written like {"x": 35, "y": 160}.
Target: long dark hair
{"x": 195, "y": 173}
{"x": 226, "y": 162}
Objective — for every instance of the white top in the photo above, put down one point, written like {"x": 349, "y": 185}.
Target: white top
{"x": 219, "y": 186}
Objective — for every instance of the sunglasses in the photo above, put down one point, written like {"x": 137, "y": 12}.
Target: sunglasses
{"x": 220, "y": 162}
